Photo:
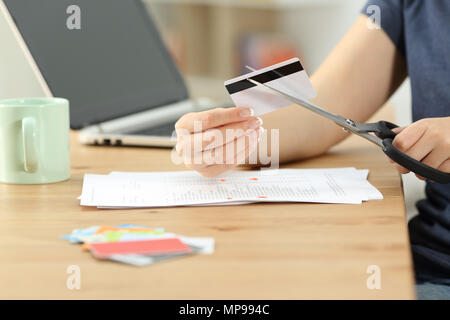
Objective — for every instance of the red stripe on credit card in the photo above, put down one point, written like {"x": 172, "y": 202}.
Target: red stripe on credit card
{"x": 147, "y": 247}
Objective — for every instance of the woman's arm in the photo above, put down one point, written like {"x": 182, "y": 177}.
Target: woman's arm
{"x": 354, "y": 81}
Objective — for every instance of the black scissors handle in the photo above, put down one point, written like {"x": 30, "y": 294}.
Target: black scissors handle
{"x": 382, "y": 129}
{"x": 384, "y": 132}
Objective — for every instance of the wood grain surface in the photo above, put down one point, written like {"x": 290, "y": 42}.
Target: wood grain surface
{"x": 263, "y": 251}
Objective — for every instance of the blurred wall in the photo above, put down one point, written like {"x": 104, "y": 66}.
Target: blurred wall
{"x": 206, "y": 32}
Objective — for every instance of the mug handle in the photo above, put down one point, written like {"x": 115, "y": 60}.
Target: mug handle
{"x": 29, "y": 144}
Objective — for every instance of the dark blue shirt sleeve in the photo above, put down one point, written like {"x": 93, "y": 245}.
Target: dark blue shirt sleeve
{"x": 391, "y": 19}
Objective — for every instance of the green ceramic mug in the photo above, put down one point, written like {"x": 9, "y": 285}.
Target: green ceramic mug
{"x": 34, "y": 140}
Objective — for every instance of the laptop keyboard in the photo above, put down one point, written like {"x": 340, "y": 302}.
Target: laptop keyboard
{"x": 164, "y": 130}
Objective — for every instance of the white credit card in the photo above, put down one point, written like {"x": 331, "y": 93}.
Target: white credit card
{"x": 288, "y": 77}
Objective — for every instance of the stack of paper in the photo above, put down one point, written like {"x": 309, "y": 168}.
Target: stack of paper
{"x": 138, "y": 245}
{"x": 187, "y": 188}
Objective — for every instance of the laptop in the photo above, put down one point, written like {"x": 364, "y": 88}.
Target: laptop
{"x": 122, "y": 83}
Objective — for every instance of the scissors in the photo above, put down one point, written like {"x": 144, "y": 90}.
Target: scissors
{"x": 379, "y": 133}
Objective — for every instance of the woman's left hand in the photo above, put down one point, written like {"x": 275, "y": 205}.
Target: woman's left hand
{"x": 427, "y": 140}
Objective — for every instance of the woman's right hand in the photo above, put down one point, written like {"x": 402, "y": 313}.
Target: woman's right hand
{"x": 214, "y": 141}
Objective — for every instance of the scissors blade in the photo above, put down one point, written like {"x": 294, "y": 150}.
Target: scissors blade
{"x": 348, "y": 124}
{"x": 306, "y": 104}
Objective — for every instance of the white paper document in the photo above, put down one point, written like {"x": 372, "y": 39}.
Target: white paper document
{"x": 187, "y": 188}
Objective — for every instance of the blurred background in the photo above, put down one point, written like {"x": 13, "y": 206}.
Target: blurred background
{"x": 213, "y": 40}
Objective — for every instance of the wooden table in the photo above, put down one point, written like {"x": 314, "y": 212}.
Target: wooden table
{"x": 263, "y": 251}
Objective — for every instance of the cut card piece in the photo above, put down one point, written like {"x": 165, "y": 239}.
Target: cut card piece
{"x": 102, "y": 230}
{"x": 147, "y": 247}
{"x": 121, "y": 236}
{"x": 141, "y": 260}
{"x": 152, "y": 253}
{"x": 288, "y": 76}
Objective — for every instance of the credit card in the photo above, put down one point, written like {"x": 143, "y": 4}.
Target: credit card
{"x": 142, "y": 260}
{"x": 146, "y": 247}
{"x": 288, "y": 76}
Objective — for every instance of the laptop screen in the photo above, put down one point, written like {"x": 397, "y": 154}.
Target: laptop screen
{"x": 114, "y": 65}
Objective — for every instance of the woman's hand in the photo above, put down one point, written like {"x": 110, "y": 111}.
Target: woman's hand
{"x": 214, "y": 141}
{"x": 427, "y": 140}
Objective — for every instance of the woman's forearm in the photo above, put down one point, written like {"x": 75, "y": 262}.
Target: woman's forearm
{"x": 356, "y": 79}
